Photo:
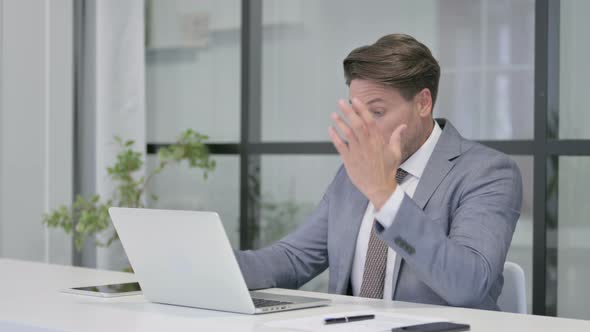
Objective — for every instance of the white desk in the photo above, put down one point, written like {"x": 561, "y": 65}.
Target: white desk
{"x": 30, "y": 300}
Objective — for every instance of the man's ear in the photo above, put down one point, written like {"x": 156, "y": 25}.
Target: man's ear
{"x": 424, "y": 103}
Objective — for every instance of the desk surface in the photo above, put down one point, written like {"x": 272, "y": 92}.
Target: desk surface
{"x": 30, "y": 298}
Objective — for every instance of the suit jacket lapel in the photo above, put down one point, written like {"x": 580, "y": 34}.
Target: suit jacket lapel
{"x": 440, "y": 163}
{"x": 352, "y": 216}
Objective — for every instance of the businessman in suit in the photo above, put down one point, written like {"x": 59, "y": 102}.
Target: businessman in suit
{"x": 416, "y": 213}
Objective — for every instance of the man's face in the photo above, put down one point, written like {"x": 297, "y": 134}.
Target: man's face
{"x": 390, "y": 109}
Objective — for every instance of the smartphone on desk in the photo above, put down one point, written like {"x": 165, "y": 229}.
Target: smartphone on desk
{"x": 111, "y": 290}
{"x": 433, "y": 327}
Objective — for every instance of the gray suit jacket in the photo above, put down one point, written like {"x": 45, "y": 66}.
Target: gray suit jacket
{"x": 451, "y": 238}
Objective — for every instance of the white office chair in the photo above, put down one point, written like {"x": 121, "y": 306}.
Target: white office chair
{"x": 513, "y": 296}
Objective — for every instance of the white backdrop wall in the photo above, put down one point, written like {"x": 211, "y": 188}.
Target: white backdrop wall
{"x": 117, "y": 94}
{"x": 35, "y": 126}
{"x": 573, "y": 249}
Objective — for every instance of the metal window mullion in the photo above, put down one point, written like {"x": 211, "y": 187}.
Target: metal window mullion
{"x": 546, "y": 103}
{"x": 251, "y": 96}
{"x": 552, "y": 160}
{"x": 540, "y": 156}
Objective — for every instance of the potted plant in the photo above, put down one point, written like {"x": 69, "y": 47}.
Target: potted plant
{"x": 86, "y": 217}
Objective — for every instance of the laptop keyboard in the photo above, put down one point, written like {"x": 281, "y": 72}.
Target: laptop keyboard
{"x": 260, "y": 303}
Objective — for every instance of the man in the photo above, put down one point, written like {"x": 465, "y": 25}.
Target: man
{"x": 417, "y": 213}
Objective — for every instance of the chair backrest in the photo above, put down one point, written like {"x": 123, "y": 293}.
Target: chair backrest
{"x": 513, "y": 296}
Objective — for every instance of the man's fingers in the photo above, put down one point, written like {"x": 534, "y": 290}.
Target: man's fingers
{"x": 356, "y": 122}
{"x": 348, "y": 133}
{"x": 395, "y": 141}
{"x": 339, "y": 144}
{"x": 363, "y": 111}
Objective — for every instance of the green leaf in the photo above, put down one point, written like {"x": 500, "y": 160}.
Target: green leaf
{"x": 87, "y": 216}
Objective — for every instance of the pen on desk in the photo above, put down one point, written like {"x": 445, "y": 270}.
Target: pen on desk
{"x": 337, "y": 320}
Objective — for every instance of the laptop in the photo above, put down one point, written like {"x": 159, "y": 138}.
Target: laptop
{"x": 185, "y": 258}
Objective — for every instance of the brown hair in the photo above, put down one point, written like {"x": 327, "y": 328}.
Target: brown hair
{"x": 398, "y": 61}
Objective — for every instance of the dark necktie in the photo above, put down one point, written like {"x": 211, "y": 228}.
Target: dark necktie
{"x": 376, "y": 259}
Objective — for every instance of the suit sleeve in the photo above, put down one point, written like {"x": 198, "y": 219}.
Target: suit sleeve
{"x": 462, "y": 266}
{"x": 295, "y": 259}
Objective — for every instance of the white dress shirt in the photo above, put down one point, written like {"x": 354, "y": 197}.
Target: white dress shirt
{"x": 415, "y": 167}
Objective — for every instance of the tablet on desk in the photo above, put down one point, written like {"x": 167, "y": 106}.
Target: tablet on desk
{"x": 110, "y": 290}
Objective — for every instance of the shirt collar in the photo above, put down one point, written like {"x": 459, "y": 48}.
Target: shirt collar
{"x": 416, "y": 164}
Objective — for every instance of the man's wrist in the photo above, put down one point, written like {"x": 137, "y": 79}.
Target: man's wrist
{"x": 382, "y": 195}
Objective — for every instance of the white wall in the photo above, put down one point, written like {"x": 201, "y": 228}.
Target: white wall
{"x": 574, "y": 70}
{"x": 302, "y": 58}
{"x": 485, "y": 49}
{"x": 573, "y": 268}
{"x": 113, "y": 102}
{"x": 304, "y": 45}
{"x": 35, "y": 126}
{"x": 193, "y": 87}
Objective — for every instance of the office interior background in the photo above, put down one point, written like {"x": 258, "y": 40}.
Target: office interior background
{"x": 260, "y": 78}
